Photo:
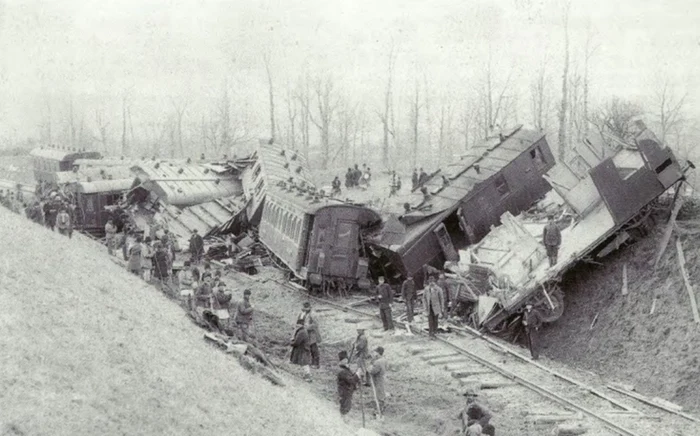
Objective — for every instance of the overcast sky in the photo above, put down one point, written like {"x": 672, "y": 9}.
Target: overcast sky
{"x": 95, "y": 50}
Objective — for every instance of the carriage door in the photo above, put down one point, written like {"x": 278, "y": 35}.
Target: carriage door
{"x": 344, "y": 250}
{"x": 448, "y": 249}
{"x": 90, "y": 209}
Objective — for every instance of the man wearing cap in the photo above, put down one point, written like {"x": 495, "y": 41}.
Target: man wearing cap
{"x": 348, "y": 382}
{"x": 434, "y": 303}
{"x": 475, "y": 417}
{"x": 244, "y": 315}
{"x": 532, "y": 321}
{"x": 385, "y": 295}
{"x": 551, "y": 237}
{"x": 361, "y": 348}
{"x": 377, "y": 370}
{"x": 301, "y": 354}
{"x": 408, "y": 293}
{"x": 314, "y": 334}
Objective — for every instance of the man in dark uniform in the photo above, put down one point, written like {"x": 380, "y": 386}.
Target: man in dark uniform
{"x": 475, "y": 417}
{"x": 314, "y": 333}
{"x": 349, "y": 178}
{"x": 532, "y": 323}
{"x": 422, "y": 177}
{"x": 348, "y": 382}
{"x": 385, "y": 295}
{"x": 551, "y": 237}
{"x": 196, "y": 246}
{"x": 414, "y": 180}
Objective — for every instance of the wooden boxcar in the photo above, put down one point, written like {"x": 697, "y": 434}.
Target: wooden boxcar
{"x": 91, "y": 200}
{"x": 321, "y": 242}
{"x": 461, "y": 203}
{"x": 47, "y": 161}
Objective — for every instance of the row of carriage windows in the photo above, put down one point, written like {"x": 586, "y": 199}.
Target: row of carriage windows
{"x": 49, "y": 165}
{"x": 285, "y": 221}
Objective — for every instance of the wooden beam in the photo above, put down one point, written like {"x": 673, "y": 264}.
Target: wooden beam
{"x": 667, "y": 232}
{"x": 624, "y": 279}
{"x": 648, "y": 401}
{"x": 686, "y": 279}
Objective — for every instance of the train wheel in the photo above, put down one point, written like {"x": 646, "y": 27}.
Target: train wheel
{"x": 552, "y": 308}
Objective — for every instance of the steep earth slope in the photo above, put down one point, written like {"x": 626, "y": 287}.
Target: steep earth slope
{"x": 87, "y": 349}
{"x": 657, "y": 350}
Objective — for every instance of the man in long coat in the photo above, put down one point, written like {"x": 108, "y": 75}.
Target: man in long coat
{"x": 408, "y": 293}
{"x": 434, "y": 304}
{"x": 301, "y": 350}
{"x": 348, "y": 382}
{"x": 532, "y": 321}
{"x": 377, "y": 370}
{"x": 110, "y": 236}
{"x": 314, "y": 333}
{"x": 196, "y": 246}
{"x": 385, "y": 295}
{"x": 244, "y": 316}
{"x": 551, "y": 237}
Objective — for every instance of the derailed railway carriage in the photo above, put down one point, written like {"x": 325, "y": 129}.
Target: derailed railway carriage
{"x": 319, "y": 240}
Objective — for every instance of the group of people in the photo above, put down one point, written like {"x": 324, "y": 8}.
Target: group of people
{"x": 418, "y": 178}
{"x": 356, "y": 177}
{"x": 52, "y": 210}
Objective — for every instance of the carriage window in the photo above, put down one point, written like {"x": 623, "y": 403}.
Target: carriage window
{"x": 537, "y": 157}
{"x": 89, "y": 204}
{"x": 344, "y": 237}
{"x": 297, "y": 228}
{"x": 285, "y": 229}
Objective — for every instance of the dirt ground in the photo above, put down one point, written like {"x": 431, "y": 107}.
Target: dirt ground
{"x": 654, "y": 351}
{"x": 88, "y": 349}
{"x": 422, "y": 399}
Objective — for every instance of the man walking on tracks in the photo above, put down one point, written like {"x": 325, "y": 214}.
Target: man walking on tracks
{"x": 348, "y": 382}
{"x": 551, "y": 237}
{"x": 314, "y": 334}
{"x": 532, "y": 323}
{"x": 475, "y": 417}
{"x": 408, "y": 293}
{"x": 434, "y": 304}
{"x": 385, "y": 295}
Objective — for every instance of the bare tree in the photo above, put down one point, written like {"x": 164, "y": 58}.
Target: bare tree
{"x": 590, "y": 51}
{"x": 126, "y": 117}
{"x": 563, "y": 111}
{"x": 445, "y": 129}
{"x": 539, "y": 99}
{"x": 387, "y": 114}
{"x": 493, "y": 103}
{"x": 266, "y": 60}
{"x": 303, "y": 96}
{"x": 292, "y": 113}
{"x": 414, "y": 117}
{"x": 669, "y": 108}
{"x": 180, "y": 107}
{"x": 616, "y": 117}
{"x": 102, "y": 125}
{"x": 326, "y": 105}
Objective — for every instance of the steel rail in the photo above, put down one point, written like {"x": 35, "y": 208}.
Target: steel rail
{"x": 493, "y": 366}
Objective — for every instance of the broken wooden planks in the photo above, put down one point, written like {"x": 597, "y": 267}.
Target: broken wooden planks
{"x": 686, "y": 279}
{"x": 667, "y": 232}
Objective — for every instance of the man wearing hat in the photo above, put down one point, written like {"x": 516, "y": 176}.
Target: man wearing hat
{"x": 314, "y": 334}
{"x": 434, "y": 304}
{"x": 385, "y": 295}
{"x": 377, "y": 370}
{"x": 348, "y": 382}
{"x": 475, "y": 417}
{"x": 408, "y": 293}
{"x": 244, "y": 315}
{"x": 361, "y": 348}
{"x": 532, "y": 321}
{"x": 196, "y": 246}
{"x": 551, "y": 237}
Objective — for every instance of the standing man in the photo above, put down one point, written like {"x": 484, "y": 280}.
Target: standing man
{"x": 377, "y": 370}
{"x": 161, "y": 266}
{"x": 301, "y": 353}
{"x": 434, "y": 303}
{"x": 361, "y": 348}
{"x": 110, "y": 236}
{"x": 532, "y": 321}
{"x": 551, "y": 237}
{"x": 408, "y": 293}
{"x": 244, "y": 316}
{"x": 423, "y": 177}
{"x": 196, "y": 246}
{"x": 442, "y": 282}
{"x": 414, "y": 179}
{"x": 348, "y": 382}
{"x": 134, "y": 262}
{"x": 336, "y": 187}
{"x": 475, "y": 417}
{"x": 314, "y": 334}
{"x": 385, "y": 295}
{"x": 63, "y": 222}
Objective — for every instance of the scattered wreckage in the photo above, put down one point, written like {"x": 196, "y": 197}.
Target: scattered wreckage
{"x": 602, "y": 198}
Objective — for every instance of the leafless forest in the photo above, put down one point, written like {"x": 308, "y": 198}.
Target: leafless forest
{"x": 410, "y": 85}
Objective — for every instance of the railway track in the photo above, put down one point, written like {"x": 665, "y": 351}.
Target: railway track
{"x": 475, "y": 359}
